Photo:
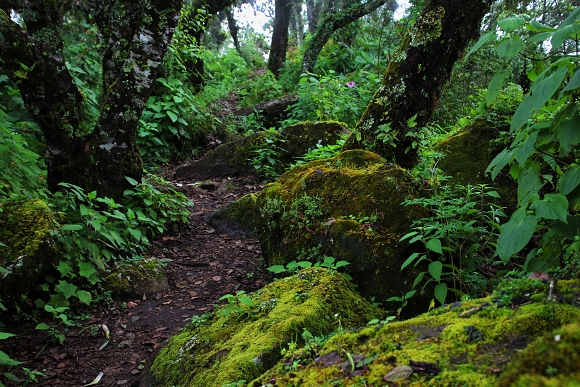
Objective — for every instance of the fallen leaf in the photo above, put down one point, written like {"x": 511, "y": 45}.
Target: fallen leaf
{"x": 95, "y": 381}
{"x": 399, "y": 372}
{"x": 131, "y": 304}
{"x": 217, "y": 278}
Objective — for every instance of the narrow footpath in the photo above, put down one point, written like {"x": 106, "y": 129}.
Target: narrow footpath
{"x": 203, "y": 265}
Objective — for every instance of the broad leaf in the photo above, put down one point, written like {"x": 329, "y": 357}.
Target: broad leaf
{"x": 5, "y": 360}
{"x": 72, "y": 227}
{"x": 570, "y": 180}
{"x": 536, "y": 26}
{"x": 523, "y": 151}
{"x": 528, "y": 184}
{"x": 84, "y": 296}
{"x": 172, "y": 115}
{"x": 67, "y": 289}
{"x": 510, "y": 47}
{"x": 434, "y": 244}
{"x": 407, "y": 262}
{"x": 569, "y": 133}
{"x": 484, "y": 39}
{"x": 495, "y": 86}
{"x": 569, "y": 31}
{"x": 522, "y": 114}
{"x": 511, "y": 23}
{"x": 435, "y": 269}
{"x": 499, "y": 162}
{"x": 515, "y": 234}
{"x": 574, "y": 82}
{"x": 276, "y": 269}
{"x": 440, "y": 292}
{"x": 553, "y": 206}
{"x": 545, "y": 89}
{"x": 5, "y": 335}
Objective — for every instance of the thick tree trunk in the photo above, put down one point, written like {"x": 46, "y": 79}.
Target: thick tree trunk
{"x": 312, "y": 14}
{"x": 331, "y": 23}
{"x": 95, "y": 156}
{"x": 412, "y": 82}
{"x": 233, "y": 27}
{"x": 279, "y": 45}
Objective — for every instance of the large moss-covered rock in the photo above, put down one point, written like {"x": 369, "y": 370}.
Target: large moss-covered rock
{"x": 26, "y": 230}
{"x": 246, "y": 343}
{"x": 464, "y": 344}
{"x": 348, "y": 207}
{"x": 231, "y": 159}
{"x": 466, "y": 156}
{"x": 144, "y": 277}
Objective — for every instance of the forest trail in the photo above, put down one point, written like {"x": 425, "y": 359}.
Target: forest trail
{"x": 204, "y": 266}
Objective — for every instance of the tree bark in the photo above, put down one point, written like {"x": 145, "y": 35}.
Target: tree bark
{"x": 331, "y": 23}
{"x": 279, "y": 45}
{"x": 412, "y": 82}
{"x": 92, "y": 155}
{"x": 233, "y": 27}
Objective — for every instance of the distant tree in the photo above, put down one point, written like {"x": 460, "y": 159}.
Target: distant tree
{"x": 413, "y": 80}
{"x": 279, "y": 45}
{"x": 332, "y": 22}
{"x": 95, "y": 153}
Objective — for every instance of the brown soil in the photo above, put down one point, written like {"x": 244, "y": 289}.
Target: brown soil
{"x": 204, "y": 266}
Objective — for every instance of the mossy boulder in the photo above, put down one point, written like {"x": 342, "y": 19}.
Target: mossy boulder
{"x": 473, "y": 344}
{"x": 348, "y": 207}
{"x": 144, "y": 277}
{"x": 26, "y": 230}
{"x": 466, "y": 156}
{"x": 219, "y": 349}
{"x": 231, "y": 159}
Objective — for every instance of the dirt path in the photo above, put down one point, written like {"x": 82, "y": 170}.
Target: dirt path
{"x": 204, "y": 266}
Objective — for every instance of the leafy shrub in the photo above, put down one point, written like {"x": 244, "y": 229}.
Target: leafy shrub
{"x": 459, "y": 238}
{"x": 333, "y": 96}
{"x": 260, "y": 88}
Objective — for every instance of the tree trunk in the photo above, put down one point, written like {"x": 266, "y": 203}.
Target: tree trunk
{"x": 279, "y": 45}
{"x": 196, "y": 29}
{"x": 412, "y": 82}
{"x": 95, "y": 156}
{"x": 312, "y": 14}
{"x": 331, "y": 23}
{"x": 233, "y": 27}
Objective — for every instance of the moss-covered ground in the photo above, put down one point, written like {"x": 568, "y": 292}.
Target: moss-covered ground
{"x": 244, "y": 344}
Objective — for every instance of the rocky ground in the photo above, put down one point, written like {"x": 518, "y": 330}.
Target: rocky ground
{"x": 202, "y": 266}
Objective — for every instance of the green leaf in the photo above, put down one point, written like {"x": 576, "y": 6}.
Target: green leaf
{"x": 541, "y": 37}
{"x": 528, "y": 184}
{"x": 515, "y": 234}
{"x": 434, "y": 244}
{"x": 418, "y": 279}
{"x": 84, "y": 296}
{"x": 499, "y": 162}
{"x": 87, "y": 270}
{"x": 172, "y": 115}
{"x": 536, "y": 26}
{"x": 569, "y": 31}
{"x": 569, "y": 133}
{"x": 409, "y": 294}
{"x": 440, "y": 292}
{"x": 523, "y": 151}
{"x": 484, "y": 39}
{"x": 57, "y": 301}
{"x": 407, "y": 262}
{"x": 543, "y": 90}
{"x": 574, "y": 82}
{"x": 510, "y": 47}
{"x": 131, "y": 181}
{"x": 495, "y": 86}
{"x": 246, "y": 300}
{"x": 553, "y": 206}
{"x": 522, "y": 114}
{"x": 5, "y": 360}
{"x": 276, "y": 269}
{"x": 65, "y": 268}
{"x": 570, "y": 180}
{"x": 511, "y": 23}
{"x": 67, "y": 289}
{"x": 42, "y": 327}
{"x": 72, "y": 227}
{"x": 435, "y": 269}
{"x": 5, "y": 335}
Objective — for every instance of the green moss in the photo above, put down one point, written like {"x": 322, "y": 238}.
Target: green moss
{"x": 467, "y": 155}
{"x": 344, "y": 189}
{"x": 463, "y": 359}
{"x": 24, "y": 225}
{"x": 146, "y": 276}
{"x": 231, "y": 348}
